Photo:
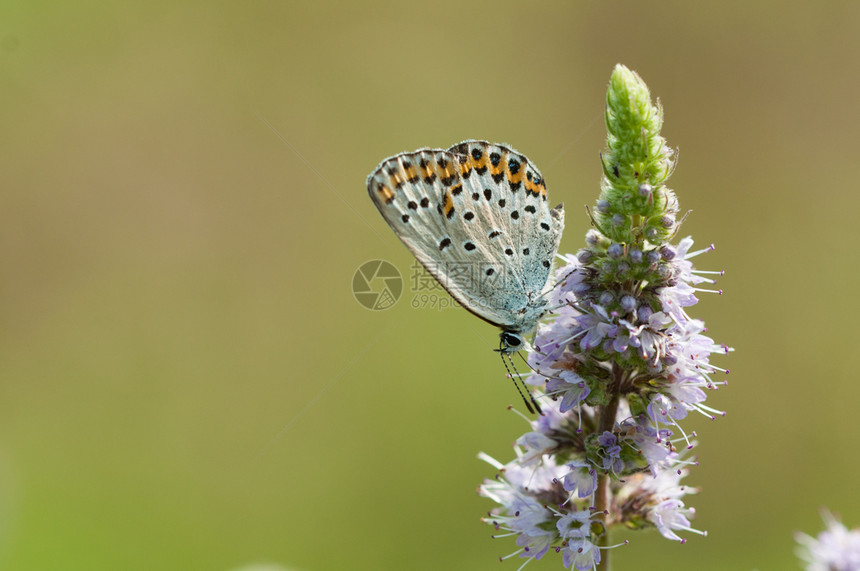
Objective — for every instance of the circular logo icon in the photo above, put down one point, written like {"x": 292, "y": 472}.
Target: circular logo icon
{"x": 377, "y": 285}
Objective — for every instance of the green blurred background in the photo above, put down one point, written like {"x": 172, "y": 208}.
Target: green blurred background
{"x": 187, "y": 380}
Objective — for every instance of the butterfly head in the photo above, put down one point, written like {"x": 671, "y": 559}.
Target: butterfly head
{"x": 510, "y": 342}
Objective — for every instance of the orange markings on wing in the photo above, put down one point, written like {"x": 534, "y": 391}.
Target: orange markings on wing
{"x": 449, "y": 204}
{"x": 446, "y": 171}
{"x": 536, "y": 189}
{"x": 480, "y": 163}
{"x": 386, "y": 193}
{"x": 499, "y": 168}
{"x": 516, "y": 177}
{"x": 465, "y": 168}
{"x": 427, "y": 169}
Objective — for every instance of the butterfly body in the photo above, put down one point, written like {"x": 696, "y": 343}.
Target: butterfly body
{"x": 476, "y": 217}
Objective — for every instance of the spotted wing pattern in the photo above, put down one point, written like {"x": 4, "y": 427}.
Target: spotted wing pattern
{"x": 476, "y": 216}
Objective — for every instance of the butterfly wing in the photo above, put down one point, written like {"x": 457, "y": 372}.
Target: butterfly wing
{"x": 476, "y": 216}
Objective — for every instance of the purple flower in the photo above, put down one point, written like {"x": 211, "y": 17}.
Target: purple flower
{"x": 570, "y": 386}
{"x": 534, "y": 445}
{"x": 835, "y": 549}
{"x": 612, "y": 453}
{"x": 651, "y": 442}
{"x": 622, "y": 361}
{"x": 670, "y": 515}
{"x": 582, "y": 479}
{"x": 580, "y": 554}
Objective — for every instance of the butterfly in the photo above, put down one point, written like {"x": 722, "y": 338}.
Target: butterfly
{"x": 476, "y": 217}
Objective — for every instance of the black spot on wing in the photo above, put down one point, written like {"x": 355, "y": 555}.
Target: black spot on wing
{"x": 460, "y": 149}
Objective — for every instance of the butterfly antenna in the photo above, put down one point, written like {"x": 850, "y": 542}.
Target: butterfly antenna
{"x": 531, "y": 403}
{"x": 535, "y": 371}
